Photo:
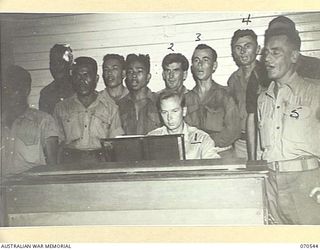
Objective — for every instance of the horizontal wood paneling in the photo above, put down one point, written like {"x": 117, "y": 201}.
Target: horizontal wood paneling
{"x": 97, "y": 34}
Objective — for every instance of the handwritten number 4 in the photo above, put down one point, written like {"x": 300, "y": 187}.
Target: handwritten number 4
{"x": 246, "y": 20}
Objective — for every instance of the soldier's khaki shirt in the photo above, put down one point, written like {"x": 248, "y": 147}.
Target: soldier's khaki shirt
{"x": 198, "y": 144}
{"x": 289, "y": 125}
{"x": 23, "y": 144}
{"x": 81, "y": 127}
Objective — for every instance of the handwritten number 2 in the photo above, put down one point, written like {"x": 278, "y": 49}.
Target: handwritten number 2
{"x": 171, "y": 46}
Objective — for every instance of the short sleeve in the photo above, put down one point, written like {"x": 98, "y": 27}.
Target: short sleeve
{"x": 208, "y": 150}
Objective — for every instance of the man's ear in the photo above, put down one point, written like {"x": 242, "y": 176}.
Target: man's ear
{"x": 148, "y": 77}
{"x": 184, "y": 111}
{"x": 294, "y": 56}
{"x": 185, "y": 74}
{"x": 163, "y": 76}
{"x": 97, "y": 78}
{"x": 214, "y": 66}
{"x": 258, "y": 52}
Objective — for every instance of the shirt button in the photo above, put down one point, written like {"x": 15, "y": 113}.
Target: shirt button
{"x": 11, "y": 153}
{"x": 85, "y": 126}
{"x": 278, "y": 107}
{"x": 278, "y": 127}
{"x": 12, "y": 139}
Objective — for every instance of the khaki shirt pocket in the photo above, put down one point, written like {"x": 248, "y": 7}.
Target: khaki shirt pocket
{"x": 100, "y": 125}
{"x": 297, "y": 123}
{"x": 214, "y": 120}
{"x": 72, "y": 128}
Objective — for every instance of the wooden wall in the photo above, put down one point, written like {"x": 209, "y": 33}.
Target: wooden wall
{"x": 32, "y": 35}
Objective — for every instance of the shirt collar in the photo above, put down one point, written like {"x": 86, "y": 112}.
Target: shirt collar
{"x": 292, "y": 83}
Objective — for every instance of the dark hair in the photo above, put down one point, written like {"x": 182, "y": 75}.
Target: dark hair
{"x": 115, "y": 56}
{"x": 292, "y": 36}
{"x": 58, "y": 50}
{"x": 144, "y": 59}
{"x": 284, "y": 20}
{"x": 18, "y": 77}
{"x": 166, "y": 94}
{"x": 87, "y": 61}
{"x": 241, "y": 33}
{"x": 205, "y": 46}
{"x": 175, "y": 58}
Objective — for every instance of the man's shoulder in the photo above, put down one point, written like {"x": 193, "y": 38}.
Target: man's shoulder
{"x": 158, "y": 131}
{"x": 106, "y": 99}
{"x": 37, "y": 115}
{"x": 201, "y": 135}
{"x": 233, "y": 78}
{"x": 47, "y": 90}
{"x": 66, "y": 103}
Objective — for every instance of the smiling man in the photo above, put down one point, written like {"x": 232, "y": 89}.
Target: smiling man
{"x": 86, "y": 117}
{"x": 289, "y": 126}
{"x": 210, "y": 107}
{"x": 175, "y": 71}
{"x": 198, "y": 144}
{"x": 244, "y": 47}
{"x": 138, "y": 110}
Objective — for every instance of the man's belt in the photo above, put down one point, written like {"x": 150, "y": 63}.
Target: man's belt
{"x": 300, "y": 164}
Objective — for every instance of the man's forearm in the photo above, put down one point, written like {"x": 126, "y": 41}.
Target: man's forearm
{"x": 251, "y": 137}
{"x": 51, "y": 149}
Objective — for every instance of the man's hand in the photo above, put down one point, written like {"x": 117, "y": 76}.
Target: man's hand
{"x": 315, "y": 194}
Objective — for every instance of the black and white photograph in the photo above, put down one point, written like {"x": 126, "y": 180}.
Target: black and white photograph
{"x": 160, "y": 119}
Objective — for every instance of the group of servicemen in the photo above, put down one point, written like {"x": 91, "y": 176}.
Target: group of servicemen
{"x": 270, "y": 110}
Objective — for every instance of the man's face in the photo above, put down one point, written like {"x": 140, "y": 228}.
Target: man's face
{"x": 84, "y": 80}
{"x": 173, "y": 75}
{"x": 279, "y": 57}
{"x": 203, "y": 65}
{"x": 245, "y": 50}
{"x": 137, "y": 76}
{"x": 172, "y": 113}
{"x": 14, "y": 95}
{"x": 60, "y": 66}
{"x": 113, "y": 73}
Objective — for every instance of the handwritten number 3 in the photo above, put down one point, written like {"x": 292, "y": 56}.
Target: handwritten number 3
{"x": 198, "y": 37}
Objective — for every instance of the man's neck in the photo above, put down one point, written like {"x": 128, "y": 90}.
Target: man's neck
{"x": 88, "y": 100}
{"x": 247, "y": 69}
{"x": 115, "y": 92}
{"x": 139, "y": 94}
{"x": 204, "y": 86}
{"x": 285, "y": 79}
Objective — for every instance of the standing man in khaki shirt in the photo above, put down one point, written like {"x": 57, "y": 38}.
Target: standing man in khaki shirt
{"x": 289, "y": 126}
{"x": 210, "y": 107}
{"x": 86, "y": 117}
{"x": 244, "y": 46}
{"x": 138, "y": 109}
{"x": 29, "y": 136}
